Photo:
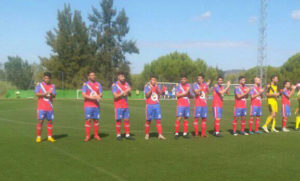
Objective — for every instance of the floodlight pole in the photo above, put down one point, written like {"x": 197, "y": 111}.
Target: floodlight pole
{"x": 262, "y": 45}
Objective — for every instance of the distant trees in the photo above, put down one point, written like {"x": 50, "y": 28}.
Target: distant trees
{"x": 19, "y": 72}
{"x": 108, "y": 32}
{"x": 76, "y": 48}
{"x": 72, "y": 52}
{"x": 290, "y": 70}
{"x": 170, "y": 67}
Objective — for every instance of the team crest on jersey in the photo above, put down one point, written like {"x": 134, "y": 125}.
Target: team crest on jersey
{"x": 154, "y": 96}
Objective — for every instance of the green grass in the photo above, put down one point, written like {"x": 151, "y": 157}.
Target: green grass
{"x": 258, "y": 157}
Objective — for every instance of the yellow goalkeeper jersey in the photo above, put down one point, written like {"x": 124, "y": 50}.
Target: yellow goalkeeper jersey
{"x": 272, "y": 89}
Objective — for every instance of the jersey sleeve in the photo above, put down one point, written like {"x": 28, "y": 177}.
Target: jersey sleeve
{"x": 37, "y": 88}
{"x": 114, "y": 88}
{"x": 285, "y": 93}
{"x": 100, "y": 88}
{"x": 237, "y": 91}
{"x": 177, "y": 89}
{"x": 84, "y": 88}
{"x": 195, "y": 87}
{"x": 146, "y": 89}
{"x": 53, "y": 89}
{"x": 252, "y": 92}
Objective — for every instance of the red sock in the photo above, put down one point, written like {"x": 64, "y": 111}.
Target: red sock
{"x": 96, "y": 128}
{"x": 127, "y": 126}
{"x": 234, "y": 123}
{"x": 203, "y": 126}
{"x": 243, "y": 124}
{"x": 256, "y": 124}
{"x": 147, "y": 127}
{"x": 177, "y": 125}
{"x": 49, "y": 128}
{"x": 196, "y": 127}
{"x": 38, "y": 129}
{"x": 118, "y": 127}
{"x": 158, "y": 127}
{"x": 87, "y": 127}
{"x": 185, "y": 126}
{"x": 284, "y": 119}
{"x": 217, "y": 125}
{"x": 250, "y": 124}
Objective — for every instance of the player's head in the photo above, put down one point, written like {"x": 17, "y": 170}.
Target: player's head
{"x": 257, "y": 81}
{"x": 242, "y": 80}
{"x": 91, "y": 76}
{"x": 220, "y": 80}
{"x": 153, "y": 80}
{"x": 200, "y": 78}
{"x": 274, "y": 79}
{"x": 183, "y": 79}
{"x": 121, "y": 76}
{"x": 47, "y": 77}
{"x": 287, "y": 84}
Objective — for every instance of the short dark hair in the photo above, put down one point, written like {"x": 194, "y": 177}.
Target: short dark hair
{"x": 241, "y": 77}
{"x": 89, "y": 72}
{"x": 273, "y": 76}
{"x": 153, "y": 76}
{"x": 219, "y": 77}
{"x": 48, "y": 74}
{"x": 120, "y": 73}
{"x": 183, "y": 76}
{"x": 201, "y": 75}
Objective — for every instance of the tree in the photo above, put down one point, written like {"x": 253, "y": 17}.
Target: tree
{"x": 72, "y": 51}
{"x": 170, "y": 67}
{"x": 19, "y": 72}
{"x": 108, "y": 32}
{"x": 290, "y": 70}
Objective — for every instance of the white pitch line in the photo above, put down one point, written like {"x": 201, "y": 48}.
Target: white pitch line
{"x": 100, "y": 169}
{"x": 97, "y": 168}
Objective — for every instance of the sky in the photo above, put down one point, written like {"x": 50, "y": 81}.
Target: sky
{"x": 224, "y": 33}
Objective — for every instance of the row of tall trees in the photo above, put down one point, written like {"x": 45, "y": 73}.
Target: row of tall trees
{"x": 77, "y": 48}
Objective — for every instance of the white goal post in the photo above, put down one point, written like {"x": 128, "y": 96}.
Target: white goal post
{"x": 78, "y": 94}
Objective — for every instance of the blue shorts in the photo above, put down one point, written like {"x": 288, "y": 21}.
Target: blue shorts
{"x": 42, "y": 115}
{"x": 255, "y": 111}
{"x": 183, "y": 111}
{"x": 91, "y": 113}
{"x": 238, "y": 112}
{"x": 200, "y": 112}
{"x": 153, "y": 111}
{"x": 217, "y": 112}
{"x": 121, "y": 113}
{"x": 285, "y": 110}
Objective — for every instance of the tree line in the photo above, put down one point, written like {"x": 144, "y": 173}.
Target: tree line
{"x": 77, "y": 46}
{"x": 101, "y": 45}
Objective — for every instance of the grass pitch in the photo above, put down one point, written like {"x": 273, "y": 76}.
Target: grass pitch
{"x": 257, "y": 157}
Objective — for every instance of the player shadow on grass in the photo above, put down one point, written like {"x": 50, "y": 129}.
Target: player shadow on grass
{"x": 59, "y": 136}
{"x": 211, "y": 132}
{"x": 131, "y": 134}
{"x": 153, "y": 134}
{"x": 102, "y": 135}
